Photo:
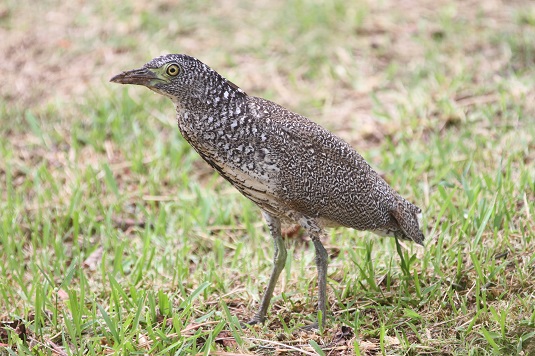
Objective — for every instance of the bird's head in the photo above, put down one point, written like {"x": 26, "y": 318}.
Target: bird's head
{"x": 180, "y": 77}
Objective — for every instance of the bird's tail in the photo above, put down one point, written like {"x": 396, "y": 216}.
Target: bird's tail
{"x": 406, "y": 214}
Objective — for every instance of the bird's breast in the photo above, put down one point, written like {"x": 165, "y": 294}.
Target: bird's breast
{"x": 238, "y": 151}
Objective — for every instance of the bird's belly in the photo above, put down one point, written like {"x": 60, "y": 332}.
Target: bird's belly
{"x": 259, "y": 188}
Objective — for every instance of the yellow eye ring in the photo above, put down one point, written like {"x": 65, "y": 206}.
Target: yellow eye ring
{"x": 173, "y": 70}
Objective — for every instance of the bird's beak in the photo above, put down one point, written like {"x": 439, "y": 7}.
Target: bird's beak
{"x": 141, "y": 76}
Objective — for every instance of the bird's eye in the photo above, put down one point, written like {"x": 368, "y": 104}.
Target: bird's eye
{"x": 173, "y": 70}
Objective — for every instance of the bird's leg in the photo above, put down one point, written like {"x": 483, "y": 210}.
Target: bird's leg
{"x": 322, "y": 259}
{"x": 279, "y": 261}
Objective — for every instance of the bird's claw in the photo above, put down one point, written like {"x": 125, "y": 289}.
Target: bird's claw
{"x": 310, "y": 327}
{"x": 255, "y": 320}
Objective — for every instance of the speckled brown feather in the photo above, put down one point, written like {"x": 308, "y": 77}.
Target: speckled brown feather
{"x": 290, "y": 166}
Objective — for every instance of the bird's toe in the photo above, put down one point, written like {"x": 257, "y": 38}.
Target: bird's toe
{"x": 310, "y": 327}
{"x": 255, "y": 320}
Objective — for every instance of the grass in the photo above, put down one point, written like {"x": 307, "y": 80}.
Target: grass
{"x": 115, "y": 238}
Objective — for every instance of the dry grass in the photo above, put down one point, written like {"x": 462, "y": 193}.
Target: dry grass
{"x": 106, "y": 205}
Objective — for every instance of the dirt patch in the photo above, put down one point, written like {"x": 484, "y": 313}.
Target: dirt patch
{"x": 48, "y": 53}
{"x": 62, "y": 51}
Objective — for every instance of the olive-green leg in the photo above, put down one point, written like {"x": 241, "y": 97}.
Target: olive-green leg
{"x": 322, "y": 260}
{"x": 279, "y": 261}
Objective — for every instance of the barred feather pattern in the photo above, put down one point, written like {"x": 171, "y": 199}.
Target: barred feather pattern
{"x": 288, "y": 165}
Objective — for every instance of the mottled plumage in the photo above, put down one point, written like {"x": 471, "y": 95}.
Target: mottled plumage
{"x": 292, "y": 168}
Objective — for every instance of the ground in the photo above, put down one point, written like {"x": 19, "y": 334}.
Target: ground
{"x": 116, "y": 238}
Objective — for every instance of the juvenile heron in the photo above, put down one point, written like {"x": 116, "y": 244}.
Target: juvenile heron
{"x": 292, "y": 168}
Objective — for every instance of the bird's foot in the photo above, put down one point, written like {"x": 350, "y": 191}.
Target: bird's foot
{"x": 310, "y": 327}
{"x": 315, "y": 326}
{"x": 255, "y": 320}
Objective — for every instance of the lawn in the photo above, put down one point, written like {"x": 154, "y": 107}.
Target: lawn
{"x": 116, "y": 238}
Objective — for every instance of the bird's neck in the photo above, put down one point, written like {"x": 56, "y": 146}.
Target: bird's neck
{"x": 204, "y": 108}
{"x": 202, "y": 118}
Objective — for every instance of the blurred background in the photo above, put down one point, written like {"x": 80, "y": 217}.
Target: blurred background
{"x": 323, "y": 58}
{"x": 99, "y": 193}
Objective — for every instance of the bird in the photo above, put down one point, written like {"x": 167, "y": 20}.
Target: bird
{"x": 295, "y": 170}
